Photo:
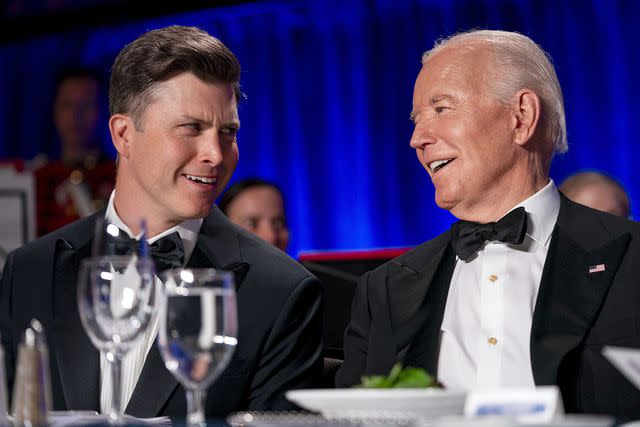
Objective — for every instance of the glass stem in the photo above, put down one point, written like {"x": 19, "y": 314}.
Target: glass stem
{"x": 195, "y": 407}
{"x": 115, "y": 410}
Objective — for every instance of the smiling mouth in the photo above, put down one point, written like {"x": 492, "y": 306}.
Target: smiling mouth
{"x": 439, "y": 164}
{"x": 201, "y": 179}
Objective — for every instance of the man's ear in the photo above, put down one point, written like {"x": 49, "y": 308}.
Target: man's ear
{"x": 527, "y": 115}
{"x": 122, "y": 130}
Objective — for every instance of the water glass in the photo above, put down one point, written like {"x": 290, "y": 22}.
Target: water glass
{"x": 197, "y": 330}
{"x": 116, "y": 301}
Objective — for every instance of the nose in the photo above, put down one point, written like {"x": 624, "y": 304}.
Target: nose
{"x": 211, "y": 149}
{"x": 422, "y": 136}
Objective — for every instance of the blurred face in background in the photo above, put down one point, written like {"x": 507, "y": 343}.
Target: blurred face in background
{"x": 76, "y": 112}
{"x": 260, "y": 210}
{"x": 602, "y": 196}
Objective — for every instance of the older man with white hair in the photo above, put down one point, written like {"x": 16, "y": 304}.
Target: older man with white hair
{"x": 527, "y": 287}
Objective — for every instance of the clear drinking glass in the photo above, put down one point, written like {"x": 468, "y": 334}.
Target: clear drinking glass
{"x": 116, "y": 301}
{"x": 198, "y": 330}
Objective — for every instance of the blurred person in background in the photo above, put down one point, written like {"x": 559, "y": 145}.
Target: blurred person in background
{"x": 78, "y": 181}
{"x": 599, "y": 191}
{"x": 257, "y": 205}
{"x": 76, "y": 111}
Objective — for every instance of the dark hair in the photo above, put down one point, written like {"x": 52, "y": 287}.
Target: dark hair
{"x": 234, "y": 191}
{"x": 158, "y": 55}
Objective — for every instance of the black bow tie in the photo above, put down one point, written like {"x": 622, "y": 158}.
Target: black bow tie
{"x": 167, "y": 252}
{"x": 467, "y": 237}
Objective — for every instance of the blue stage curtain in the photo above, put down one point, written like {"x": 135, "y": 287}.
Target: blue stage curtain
{"x": 329, "y": 87}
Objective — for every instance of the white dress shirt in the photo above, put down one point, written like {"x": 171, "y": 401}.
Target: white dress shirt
{"x": 133, "y": 361}
{"x": 485, "y": 332}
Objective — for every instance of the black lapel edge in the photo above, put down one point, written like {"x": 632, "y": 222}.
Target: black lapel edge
{"x": 154, "y": 388}
{"x": 218, "y": 246}
{"x": 424, "y": 347}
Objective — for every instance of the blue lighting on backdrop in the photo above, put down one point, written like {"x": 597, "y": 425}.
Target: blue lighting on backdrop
{"x": 329, "y": 87}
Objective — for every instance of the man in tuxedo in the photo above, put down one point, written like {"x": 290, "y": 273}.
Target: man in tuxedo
{"x": 527, "y": 287}
{"x": 173, "y": 102}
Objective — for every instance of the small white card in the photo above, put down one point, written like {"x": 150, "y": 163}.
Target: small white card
{"x": 526, "y": 405}
{"x": 626, "y": 360}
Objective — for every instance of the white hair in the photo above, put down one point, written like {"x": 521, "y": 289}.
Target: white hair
{"x": 519, "y": 63}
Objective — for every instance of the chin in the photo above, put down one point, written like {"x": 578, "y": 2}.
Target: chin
{"x": 196, "y": 212}
{"x": 444, "y": 202}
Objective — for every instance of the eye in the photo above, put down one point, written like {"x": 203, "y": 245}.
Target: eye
{"x": 440, "y": 108}
{"x": 279, "y": 224}
{"x": 250, "y": 223}
{"x": 193, "y": 126}
{"x": 229, "y": 130}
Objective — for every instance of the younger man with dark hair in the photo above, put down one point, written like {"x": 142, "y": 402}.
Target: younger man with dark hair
{"x": 173, "y": 99}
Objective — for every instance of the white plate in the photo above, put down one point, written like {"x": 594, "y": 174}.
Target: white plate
{"x": 427, "y": 403}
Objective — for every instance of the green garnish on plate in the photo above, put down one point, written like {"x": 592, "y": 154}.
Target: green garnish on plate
{"x": 399, "y": 377}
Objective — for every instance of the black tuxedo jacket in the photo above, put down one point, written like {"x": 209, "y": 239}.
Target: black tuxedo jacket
{"x": 279, "y": 313}
{"x": 398, "y": 309}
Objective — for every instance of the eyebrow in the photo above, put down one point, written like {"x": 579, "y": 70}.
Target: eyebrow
{"x": 437, "y": 98}
{"x": 234, "y": 123}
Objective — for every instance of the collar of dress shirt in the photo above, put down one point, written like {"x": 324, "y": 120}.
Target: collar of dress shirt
{"x": 188, "y": 230}
{"x": 542, "y": 209}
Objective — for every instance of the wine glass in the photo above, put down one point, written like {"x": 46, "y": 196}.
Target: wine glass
{"x": 198, "y": 329}
{"x": 116, "y": 301}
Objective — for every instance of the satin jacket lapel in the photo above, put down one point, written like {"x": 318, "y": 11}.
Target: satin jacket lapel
{"x": 409, "y": 311}
{"x": 217, "y": 246}
{"x": 570, "y": 297}
{"x": 78, "y": 359}
{"x": 423, "y": 350}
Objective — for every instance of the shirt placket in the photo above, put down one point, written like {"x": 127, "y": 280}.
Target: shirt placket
{"x": 490, "y": 340}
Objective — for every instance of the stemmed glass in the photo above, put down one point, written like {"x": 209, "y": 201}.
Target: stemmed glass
{"x": 197, "y": 332}
{"x": 116, "y": 301}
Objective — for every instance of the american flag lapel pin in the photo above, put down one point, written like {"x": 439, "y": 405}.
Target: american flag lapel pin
{"x": 596, "y": 268}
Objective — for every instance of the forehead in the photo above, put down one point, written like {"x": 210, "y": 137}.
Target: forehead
{"x": 77, "y": 86}
{"x": 192, "y": 96}
{"x": 452, "y": 69}
{"x": 257, "y": 199}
